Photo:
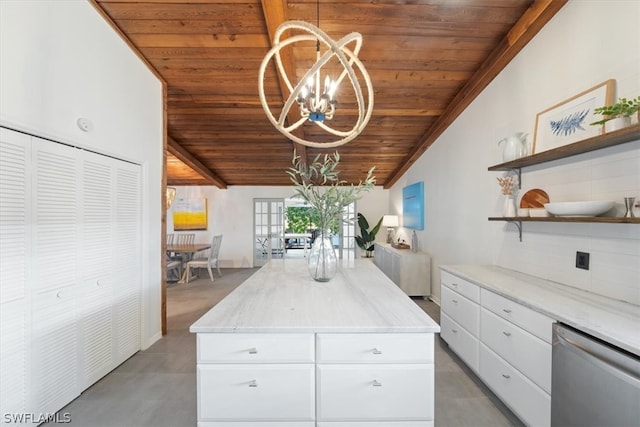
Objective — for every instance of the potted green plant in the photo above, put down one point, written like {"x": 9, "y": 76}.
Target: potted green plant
{"x": 367, "y": 237}
{"x": 618, "y": 115}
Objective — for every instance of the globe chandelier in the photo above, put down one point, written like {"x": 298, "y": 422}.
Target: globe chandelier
{"x": 318, "y": 104}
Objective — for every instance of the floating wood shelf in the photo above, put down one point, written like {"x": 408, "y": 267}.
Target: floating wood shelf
{"x": 597, "y": 219}
{"x": 609, "y": 139}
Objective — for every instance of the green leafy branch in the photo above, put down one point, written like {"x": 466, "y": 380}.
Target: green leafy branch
{"x": 320, "y": 185}
{"x": 623, "y": 108}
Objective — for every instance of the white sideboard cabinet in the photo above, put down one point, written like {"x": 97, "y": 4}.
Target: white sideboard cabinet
{"x": 411, "y": 271}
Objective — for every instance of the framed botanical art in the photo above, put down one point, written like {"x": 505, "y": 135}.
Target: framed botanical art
{"x": 569, "y": 121}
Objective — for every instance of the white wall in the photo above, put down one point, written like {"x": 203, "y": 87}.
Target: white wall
{"x": 230, "y": 212}
{"x": 586, "y": 43}
{"x": 59, "y": 60}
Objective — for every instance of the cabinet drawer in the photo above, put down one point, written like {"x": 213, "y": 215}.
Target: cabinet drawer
{"x": 269, "y": 392}
{"x": 527, "y": 400}
{"x": 375, "y": 392}
{"x": 375, "y": 348}
{"x": 460, "y": 341}
{"x": 529, "y": 320}
{"x": 461, "y": 286}
{"x": 464, "y": 311}
{"x": 377, "y": 424}
{"x": 526, "y": 352}
{"x": 255, "y": 348}
{"x": 257, "y": 424}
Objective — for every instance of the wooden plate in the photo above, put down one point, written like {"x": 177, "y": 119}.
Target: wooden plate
{"x": 535, "y": 198}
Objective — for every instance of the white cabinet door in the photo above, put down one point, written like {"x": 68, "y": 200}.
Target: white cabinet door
{"x": 375, "y": 348}
{"x": 464, "y": 311}
{"x": 375, "y": 392}
{"x": 56, "y": 219}
{"x": 526, "y": 352}
{"x": 95, "y": 329}
{"x": 127, "y": 261}
{"x": 396, "y": 269}
{"x": 460, "y": 341}
{"x": 54, "y": 267}
{"x": 525, "y": 398}
{"x": 54, "y": 375}
{"x": 259, "y": 392}
{"x": 14, "y": 251}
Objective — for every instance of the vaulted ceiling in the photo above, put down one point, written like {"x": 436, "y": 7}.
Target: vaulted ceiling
{"x": 428, "y": 59}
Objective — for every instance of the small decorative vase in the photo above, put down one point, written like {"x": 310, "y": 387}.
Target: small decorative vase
{"x": 509, "y": 208}
{"x": 617, "y": 124}
{"x": 323, "y": 262}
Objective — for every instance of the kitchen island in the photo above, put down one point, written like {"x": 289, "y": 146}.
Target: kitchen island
{"x": 284, "y": 350}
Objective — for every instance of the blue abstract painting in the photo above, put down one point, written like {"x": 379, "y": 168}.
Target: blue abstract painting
{"x": 569, "y": 124}
{"x": 413, "y": 206}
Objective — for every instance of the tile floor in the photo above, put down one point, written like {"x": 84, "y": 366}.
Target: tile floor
{"x": 157, "y": 387}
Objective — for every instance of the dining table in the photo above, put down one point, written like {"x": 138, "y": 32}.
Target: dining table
{"x": 187, "y": 252}
{"x": 304, "y": 236}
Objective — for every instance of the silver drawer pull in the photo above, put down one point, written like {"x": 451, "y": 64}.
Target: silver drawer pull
{"x": 455, "y": 331}
{"x": 455, "y": 285}
{"x": 59, "y": 295}
{"x": 253, "y": 383}
{"x": 253, "y": 350}
{"x": 508, "y": 334}
{"x": 376, "y": 383}
{"x": 506, "y": 376}
{"x": 455, "y": 301}
{"x": 376, "y": 351}
{"x": 506, "y": 310}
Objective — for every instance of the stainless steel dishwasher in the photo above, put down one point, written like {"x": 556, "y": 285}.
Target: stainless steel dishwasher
{"x": 592, "y": 382}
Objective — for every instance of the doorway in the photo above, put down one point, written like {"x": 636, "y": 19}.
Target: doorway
{"x": 268, "y": 230}
{"x": 280, "y": 227}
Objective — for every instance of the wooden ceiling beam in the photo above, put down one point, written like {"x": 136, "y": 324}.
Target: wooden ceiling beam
{"x": 275, "y": 13}
{"x": 185, "y": 157}
{"x": 540, "y": 12}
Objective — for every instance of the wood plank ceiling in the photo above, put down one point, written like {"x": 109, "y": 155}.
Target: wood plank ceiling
{"x": 428, "y": 59}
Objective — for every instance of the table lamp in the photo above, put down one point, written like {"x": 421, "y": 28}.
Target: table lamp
{"x": 390, "y": 221}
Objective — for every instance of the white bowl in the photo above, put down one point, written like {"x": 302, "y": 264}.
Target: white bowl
{"x": 538, "y": 213}
{"x": 589, "y": 208}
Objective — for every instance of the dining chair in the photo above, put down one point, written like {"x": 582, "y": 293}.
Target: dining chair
{"x": 185, "y": 238}
{"x": 174, "y": 265}
{"x": 207, "y": 260}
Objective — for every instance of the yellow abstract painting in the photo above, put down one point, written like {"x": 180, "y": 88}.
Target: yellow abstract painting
{"x": 190, "y": 214}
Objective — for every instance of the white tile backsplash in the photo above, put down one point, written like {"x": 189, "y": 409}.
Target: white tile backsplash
{"x": 549, "y": 249}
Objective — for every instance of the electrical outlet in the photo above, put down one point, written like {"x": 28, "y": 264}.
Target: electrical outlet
{"x": 582, "y": 260}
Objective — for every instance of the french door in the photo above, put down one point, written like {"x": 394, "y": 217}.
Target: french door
{"x": 268, "y": 230}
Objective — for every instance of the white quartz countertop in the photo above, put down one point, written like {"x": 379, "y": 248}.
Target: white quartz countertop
{"x": 613, "y": 321}
{"x": 282, "y": 297}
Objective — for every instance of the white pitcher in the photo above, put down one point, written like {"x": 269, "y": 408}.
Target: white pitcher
{"x": 514, "y": 146}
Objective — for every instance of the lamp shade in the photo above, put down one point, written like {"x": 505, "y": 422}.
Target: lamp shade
{"x": 390, "y": 221}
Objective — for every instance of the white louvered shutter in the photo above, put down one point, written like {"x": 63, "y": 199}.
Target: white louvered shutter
{"x": 14, "y": 297}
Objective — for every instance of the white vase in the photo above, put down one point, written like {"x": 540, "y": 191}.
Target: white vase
{"x": 617, "y": 124}
{"x": 509, "y": 207}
